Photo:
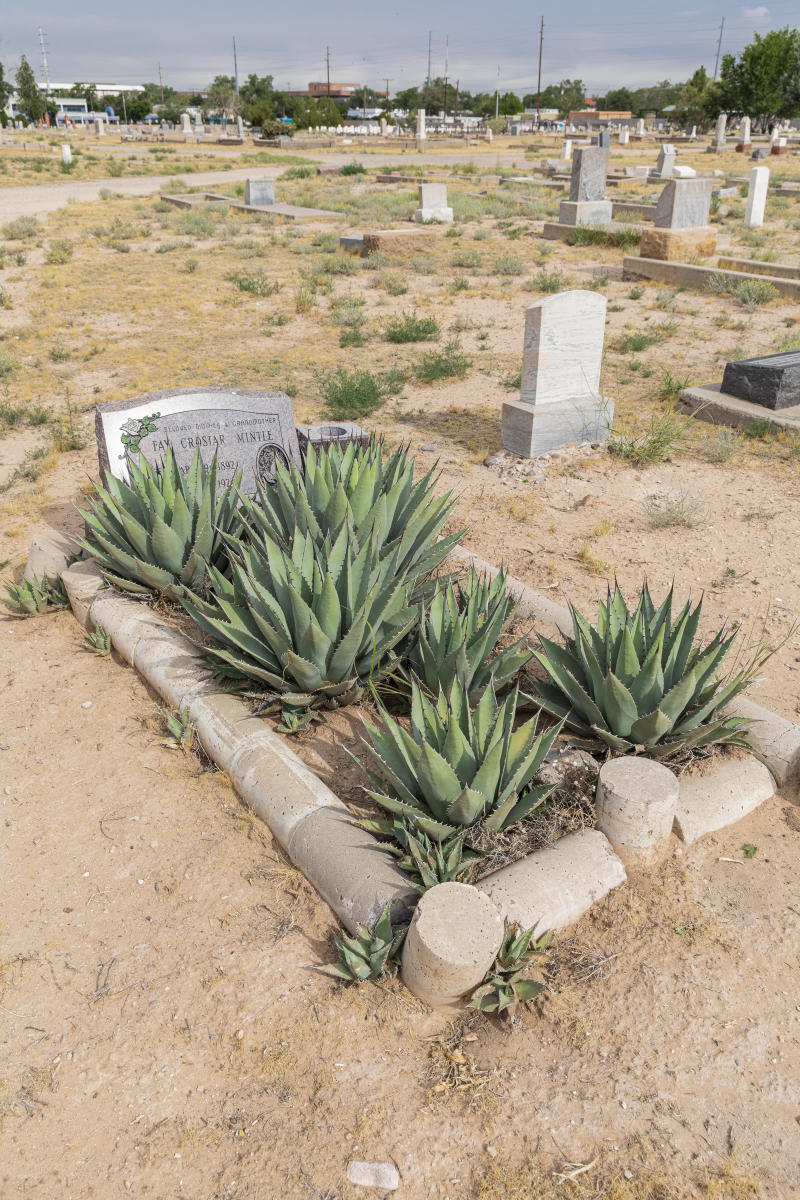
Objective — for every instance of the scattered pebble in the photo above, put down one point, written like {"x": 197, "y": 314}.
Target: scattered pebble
{"x": 86, "y": 704}
{"x": 428, "y": 448}
{"x": 380, "y": 1175}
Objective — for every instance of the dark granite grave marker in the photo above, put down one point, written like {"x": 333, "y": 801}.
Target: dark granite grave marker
{"x": 248, "y": 430}
{"x": 772, "y": 381}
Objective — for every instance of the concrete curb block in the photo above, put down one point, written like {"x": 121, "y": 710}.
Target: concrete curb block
{"x": 636, "y": 802}
{"x": 170, "y": 664}
{"x": 49, "y": 555}
{"x": 112, "y": 611}
{"x": 453, "y": 939}
{"x": 709, "y": 803}
{"x": 554, "y": 887}
{"x": 773, "y": 740}
{"x": 83, "y": 581}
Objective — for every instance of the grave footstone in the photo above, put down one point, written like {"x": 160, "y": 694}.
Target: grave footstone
{"x": 757, "y": 196}
{"x": 772, "y": 381}
{"x": 248, "y": 430}
{"x": 259, "y": 193}
{"x": 66, "y": 155}
{"x": 433, "y": 204}
{"x": 587, "y": 204}
{"x": 562, "y": 356}
{"x": 679, "y": 171}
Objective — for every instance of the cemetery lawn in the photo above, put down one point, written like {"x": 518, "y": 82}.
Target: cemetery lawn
{"x": 164, "y": 1032}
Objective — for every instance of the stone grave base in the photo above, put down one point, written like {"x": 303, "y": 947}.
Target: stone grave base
{"x": 712, "y": 404}
{"x": 530, "y": 430}
{"x": 584, "y": 212}
{"x": 555, "y": 232}
{"x": 676, "y": 245}
{"x": 681, "y": 274}
{"x": 626, "y": 208}
{"x": 433, "y": 216}
{"x": 397, "y": 241}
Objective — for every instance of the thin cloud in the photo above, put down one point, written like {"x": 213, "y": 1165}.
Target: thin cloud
{"x": 759, "y": 14}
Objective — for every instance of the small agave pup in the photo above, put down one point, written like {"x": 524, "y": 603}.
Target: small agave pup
{"x": 459, "y": 767}
{"x": 637, "y": 683}
{"x": 159, "y": 532}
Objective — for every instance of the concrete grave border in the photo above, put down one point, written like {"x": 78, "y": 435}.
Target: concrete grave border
{"x": 550, "y": 889}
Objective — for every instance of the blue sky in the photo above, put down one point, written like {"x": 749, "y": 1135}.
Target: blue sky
{"x": 625, "y": 45}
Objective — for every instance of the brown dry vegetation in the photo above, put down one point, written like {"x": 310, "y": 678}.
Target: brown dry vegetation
{"x": 667, "y": 1054}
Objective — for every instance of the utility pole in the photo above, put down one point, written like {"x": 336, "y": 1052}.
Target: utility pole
{"x": 328, "y": 62}
{"x": 719, "y": 47}
{"x": 161, "y": 83}
{"x": 44, "y": 63}
{"x": 445, "y": 97}
{"x": 235, "y": 69}
{"x": 539, "y": 84}
{"x": 497, "y": 96}
{"x": 455, "y": 110}
{"x": 429, "y": 60}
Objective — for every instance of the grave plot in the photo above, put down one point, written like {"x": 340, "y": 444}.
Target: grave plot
{"x": 310, "y": 586}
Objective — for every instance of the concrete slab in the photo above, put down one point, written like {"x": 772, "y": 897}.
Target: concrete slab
{"x": 711, "y": 404}
{"x": 681, "y": 274}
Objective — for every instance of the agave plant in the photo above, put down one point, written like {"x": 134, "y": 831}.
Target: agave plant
{"x": 427, "y": 861}
{"x": 159, "y": 532}
{"x": 368, "y": 955}
{"x": 458, "y": 767}
{"x": 505, "y": 985}
{"x": 637, "y": 682}
{"x": 34, "y": 596}
{"x": 455, "y": 638}
{"x": 100, "y": 641}
{"x": 352, "y": 485}
{"x": 314, "y": 624}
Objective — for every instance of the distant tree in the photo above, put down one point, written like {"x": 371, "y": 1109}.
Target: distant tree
{"x": 221, "y": 98}
{"x": 759, "y": 83}
{"x": 567, "y": 96}
{"x": 6, "y": 89}
{"x": 87, "y": 92}
{"x": 510, "y": 103}
{"x": 617, "y": 100}
{"x": 655, "y": 98}
{"x": 31, "y": 100}
{"x": 692, "y": 103}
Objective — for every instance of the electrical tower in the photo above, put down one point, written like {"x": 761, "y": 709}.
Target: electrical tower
{"x": 44, "y": 62}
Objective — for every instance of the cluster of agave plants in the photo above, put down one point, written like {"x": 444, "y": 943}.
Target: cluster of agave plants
{"x": 330, "y": 585}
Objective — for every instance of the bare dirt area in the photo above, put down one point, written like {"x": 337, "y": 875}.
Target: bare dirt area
{"x": 164, "y": 1030}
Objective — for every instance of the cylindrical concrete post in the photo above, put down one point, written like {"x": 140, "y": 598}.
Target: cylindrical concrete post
{"x": 454, "y": 936}
{"x": 636, "y": 802}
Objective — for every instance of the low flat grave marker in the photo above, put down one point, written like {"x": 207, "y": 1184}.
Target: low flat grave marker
{"x": 248, "y": 430}
{"x": 772, "y": 381}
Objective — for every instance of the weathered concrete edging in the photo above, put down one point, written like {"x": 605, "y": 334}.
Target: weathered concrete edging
{"x": 448, "y": 954}
{"x": 687, "y": 275}
{"x": 710, "y": 403}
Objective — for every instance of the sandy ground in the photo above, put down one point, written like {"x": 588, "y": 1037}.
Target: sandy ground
{"x": 163, "y": 1031}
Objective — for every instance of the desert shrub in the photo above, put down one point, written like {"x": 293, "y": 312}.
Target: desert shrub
{"x": 21, "y": 228}
{"x": 448, "y": 363}
{"x": 257, "y": 283}
{"x": 60, "y": 251}
{"x": 664, "y": 434}
{"x": 466, "y": 258}
{"x": 352, "y": 394}
{"x": 509, "y": 264}
{"x": 411, "y": 328}
{"x": 353, "y": 169}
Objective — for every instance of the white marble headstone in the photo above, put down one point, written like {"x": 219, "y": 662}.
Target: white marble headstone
{"x": 563, "y": 348}
{"x": 757, "y": 196}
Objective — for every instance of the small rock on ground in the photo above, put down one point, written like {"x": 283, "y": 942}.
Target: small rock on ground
{"x": 381, "y": 1175}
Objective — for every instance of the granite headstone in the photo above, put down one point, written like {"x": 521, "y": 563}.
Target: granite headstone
{"x": 772, "y": 381}
{"x": 259, "y": 193}
{"x": 248, "y": 430}
{"x": 588, "y": 180}
{"x": 684, "y": 204}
